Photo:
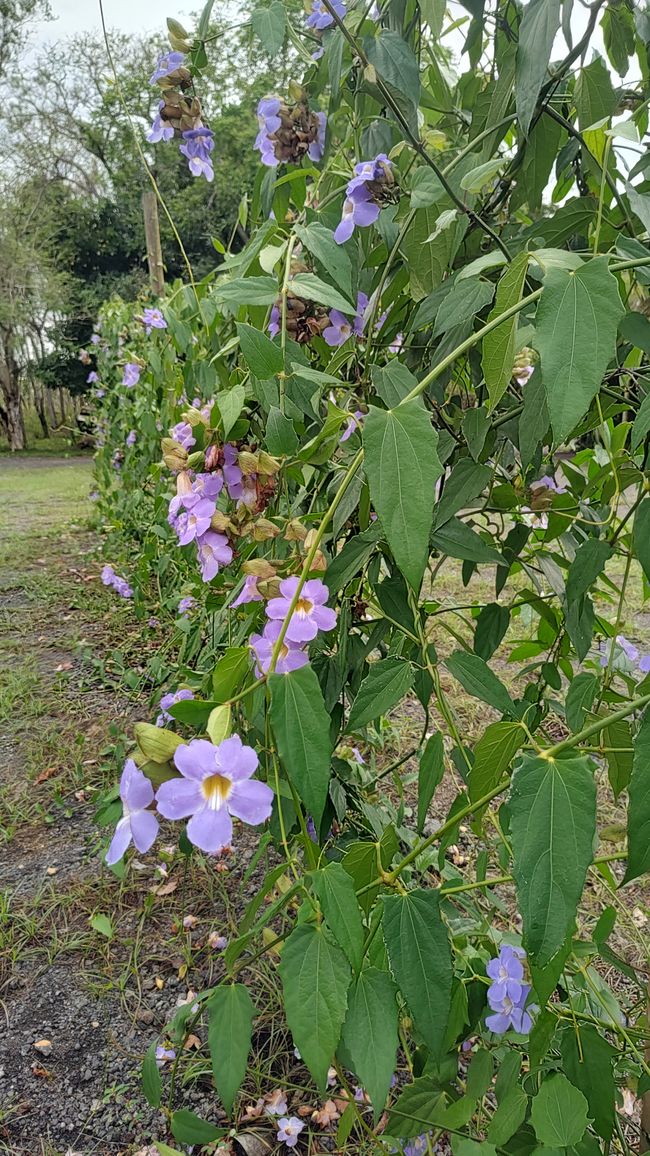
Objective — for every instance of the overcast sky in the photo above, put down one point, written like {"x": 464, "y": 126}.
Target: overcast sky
{"x": 125, "y": 15}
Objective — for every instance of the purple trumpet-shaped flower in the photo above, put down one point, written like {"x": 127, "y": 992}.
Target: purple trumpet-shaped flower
{"x": 120, "y": 585}
{"x": 153, "y": 319}
{"x": 624, "y": 650}
{"x": 183, "y": 434}
{"x": 160, "y": 129}
{"x": 93, "y": 377}
{"x": 197, "y": 146}
{"x": 269, "y": 122}
{"x": 216, "y": 786}
{"x": 131, "y": 438}
{"x": 131, "y": 374}
{"x": 168, "y": 700}
{"x": 353, "y": 424}
{"x": 138, "y": 824}
{"x": 291, "y": 656}
{"x": 417, "y": 1145}
{"x": 164, "y": 1056}
{"x": 340, "y": 328}
{"x": 205, "y": 487}
{"x": 99, "y": 394}
{"x": 317, "y": 147}
{"x": 320, "y": 18}
{"x": 167, "y": 64}
{"x": 193, "y": 523}
{"x": 360, "y": 206}
{"x": 310, "y": 614}
{"x": 507, "y": 973}
{"x": 397, "y": 343}
{"x": 508, "y": 1014}
{"x": 547, "y": 482}
{"x": 214, "y": 550}
{"x": 273, "y": 327}
{"x": 95, "y": 338}
{"x": 186, "y": 604}
{"x": 248, "y": 593}
{"x": 289, "y": 1129}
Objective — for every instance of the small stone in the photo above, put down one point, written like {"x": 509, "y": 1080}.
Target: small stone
{"x": 43, "y": 1046}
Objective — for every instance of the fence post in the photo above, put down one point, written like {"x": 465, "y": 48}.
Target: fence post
{"x": 152, "y": 237}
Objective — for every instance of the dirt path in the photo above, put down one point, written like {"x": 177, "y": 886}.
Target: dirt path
{"x": 98, "y": 1001}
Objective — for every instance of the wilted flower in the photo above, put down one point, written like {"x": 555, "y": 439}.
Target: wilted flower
{"x": 93, "y": 376}
{"x": 289, "y": 1129}
{"x": 217, "y": 784}
{"x": 523, "y": 373}
{"x": 248, "y": 593}
{"x": 131, "y": 374}
{"x": 310, "y": 614}
{"x": 320, "y": 18}
{"x": 167, "y": 64}
{"x": 547, "y": 482}
{"x": 152, "y": 319}
{"x": 397, "y": 343}
{"x": 276, "y": 1102}
{"x": 361, "y": 206}
{"x": 197, "y": 146}
{"x": 160, "y": 129}
{"x": 217, "y": 942}
{"x": 214, "y": 551}
{"x": 171, "y": 699}
{"x": 138, "y": 824}
{"x": 290, "y": 657}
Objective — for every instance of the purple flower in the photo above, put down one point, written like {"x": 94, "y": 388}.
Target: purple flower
{"x": 273, "y": 327}
{"x": 183, "y": 434}
{"x": 353, "y": 424}
{"x": 214, "y": 550}
{"x": 99, "y": 394}
{"x": 291, "y": 656}
{"x": 269, "y": 122}
{"x": 289, "y": 1127}
{"x": 93, "y": 376}
{"x": 131, "y": 438}
{"x": 216, "y": 784}
{"x": 310, "y": 614}
{"x": 232, "y": 474}
{"x": 358, "y": 757}
{"x": 548, "y": 483}
{"x": 193, "y": 523}
{"x": 137, "y": 825}
{"x": 120, "y": 585}
{"x": 360, "y": 207}
{"x": 338, "y": 330}
{"x": 397, "y": 343}
{"x": 186, "y": 604}
{"x": 131, "y": 375}
{"x": 508, "y": 1014}
{"x": 160, "y": 129}
{"x": 197, "y": 146}
{"x": 95, "y": 338}
{"x": 248, "y": 593}
{"x": 317, "y": 147}
{"x": 320, "y": 18}
{"x": 168, "y": 700}
{"x": 164, "y": 1055}
{"x": 167, "y": 64}
{"x": 152, "y": 319}
{"x": 311, "y": 829}
{"x": 108, "y": 575}
{"x": 644, "y": 664}
{"x": 205, "y": 487}
{"x": 627, "y": 648}
{"x": 417, "y": 1145}
{"x": 507, "y": 971}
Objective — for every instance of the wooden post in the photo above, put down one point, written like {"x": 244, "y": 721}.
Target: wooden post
{"x": 152, "y": 236}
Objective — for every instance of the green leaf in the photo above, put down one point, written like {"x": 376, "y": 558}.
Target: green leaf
{"x": 103, "y": 925}
{"x": 247, "y": 291}
{"x": 315, "y": 977}
{"x": 475, "y": 426}
{"x": 589, "y": 1068}
{"x": 230, "y": 404}
{"x": 641, "y": 536}
{"x": 482, "y": 175}
{"x": 499, "y": 346}
{"x": 539, "y": 25}
{"x": 465, "y": 482}
{"x": 426, "y": 188}
{"x": 638, "y": 811}
{"x": 420, "y": 958}
{"x": 392, "y": 382}
{"x": 491, "y": 627}
{"x": 384, "y": 685}
{"x": 262, "y": 356}
{"x": 589, "y": 561}
{"x": 188, "y": 1128}
{"x": 395, "y": 63}
{"x": 336, "y": 895}
{"x": 594, "y": 95}
{"x": 580, "y": 699}
{"x": 370, "y": 1034}
{"x": 269, "y": 26}
{"x": 310, "y": 287}
{"x": 428, "y": 251}
{"x": 458, "y": 540}
{"x": 230, "y": 1016}
{"x": 280, "y": 437}
{"x": 635, "y": 328}
{"x": 576, "y": 325}
{"x": 151, "y": 1080}
{"x": 360, "y": 862}
{"x": 432, "y": 768}
{"x": 493, "y": 754}
{"x": 417, "y": 1105}
{"x": 618, "y": 34}
{"x": 352, "y": 558}
{"x": 301, "y": 726}
{"x": 553, "y": 826}
{"x": 335, "y": 258}
{"x": 478, "y": 680}
{"x": 508, "y": 1117}
{"x": 402, "y": 468}
{"x": 559, "y": 1113}
{"x": 464, "y": 301}
{"x": 618, "y": 738}
{"x": 229, "y": 673}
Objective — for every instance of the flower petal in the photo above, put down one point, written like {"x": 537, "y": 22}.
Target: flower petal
{"x": 119, "y": 842}
{"x": 135, "y": 788}
{"x": 178, "y": 798}
{"x": 144, "y": 828}
{"x": 251, "y": 802}
{"x": 195, "y": 759}
{"x": 210, "y": 830}
{"x": 236, "y": 761}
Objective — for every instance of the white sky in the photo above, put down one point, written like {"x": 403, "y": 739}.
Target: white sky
{"x": 124, "y": 15}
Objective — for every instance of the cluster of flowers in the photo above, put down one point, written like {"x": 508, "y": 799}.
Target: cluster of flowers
{"x": 364, "y": 196}
{"x": 191, "y": 512}
{"x": 120, "y": 585}
{"x": 310, "y": 615}
{"x": 288, "y": 133}
{"x": 181, "y": 113}
{"x": 320, "y": 18}
{"x": 507, "y": 994}
{"x": 215, "y": 785}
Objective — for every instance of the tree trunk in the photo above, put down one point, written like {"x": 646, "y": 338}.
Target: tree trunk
{"x": 62, "y": 406}
{"x": 10, "y": 384}
{"x": 39, "y": 401}
{"x": 50, "y": 406}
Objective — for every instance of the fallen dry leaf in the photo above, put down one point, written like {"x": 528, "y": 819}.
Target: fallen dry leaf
{"x": 51, "y": 870}
{"x": 166, "y": 888}
{"x": 63, "y": 666}
{"x": 46, "y": 774}
{"x": 306, "y": 1109}
{"x": 192, "y": 1041}
{"x": 159, "y": 982}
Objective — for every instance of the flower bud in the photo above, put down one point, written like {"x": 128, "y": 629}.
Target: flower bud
{"x": 319, "y": 562}
{"x": 295, "y": 531}
{"x": 176, "y": 29}
{"x": 212, "y": 458}
{"x": 183, "y": 483}
{"x": 259, "y": 568}
{"x": 175, "y": 456}
{"x": 193, "y": 416}
{"x": 196, "y": 460}
{"x": 263, "y": 529}
{"x": 296, "y": 92}
{"x": 156, "y": 743}
{"x": 178, "y": 43}
{"x": 248, "y": 463}
{"x": 266, "y": 464}
{"x": 269, "y": 587}
{"x": 221, "y": 523}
